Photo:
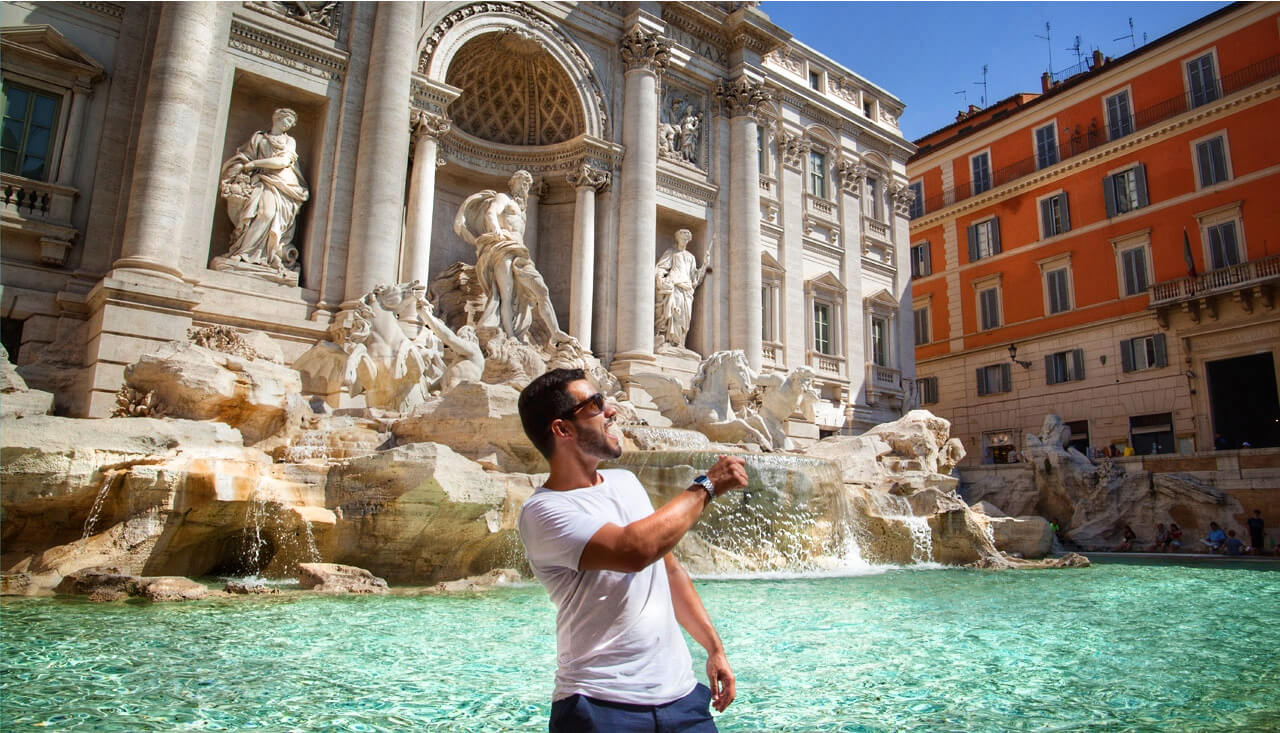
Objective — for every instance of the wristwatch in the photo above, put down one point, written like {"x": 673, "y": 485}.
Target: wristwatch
{"x": 707, "y": 484}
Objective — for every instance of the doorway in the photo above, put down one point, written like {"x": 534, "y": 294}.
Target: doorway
{"x": 1243, "y": 401}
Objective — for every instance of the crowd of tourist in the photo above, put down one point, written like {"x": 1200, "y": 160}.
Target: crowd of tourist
{"x": 1217, "y": 540}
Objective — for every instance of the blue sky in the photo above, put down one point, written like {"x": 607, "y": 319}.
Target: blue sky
{"x": 925, "y": 52}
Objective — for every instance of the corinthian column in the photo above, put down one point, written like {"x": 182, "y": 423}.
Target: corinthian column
{"x": 586, "y": 180}
{"x": 645, "y": 56}
{"x": 176, "y": 89}
{"x": 374, "y": 247}
{"x": 427, "y": 130}
{"x": 741, "y": 100}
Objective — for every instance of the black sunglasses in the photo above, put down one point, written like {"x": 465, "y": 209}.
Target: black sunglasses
{"x": 596, "y": 399}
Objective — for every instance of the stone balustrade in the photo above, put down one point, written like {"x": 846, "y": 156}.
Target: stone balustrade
{"x": 39, "y": 209}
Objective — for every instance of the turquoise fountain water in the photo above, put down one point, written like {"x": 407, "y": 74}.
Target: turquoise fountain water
{"x": 1113, "y": 647}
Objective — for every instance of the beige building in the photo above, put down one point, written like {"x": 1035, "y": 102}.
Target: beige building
{"x": 635, "y": 120}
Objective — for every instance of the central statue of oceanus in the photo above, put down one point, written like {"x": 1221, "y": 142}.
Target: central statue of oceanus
{"x": 494, "y": 224}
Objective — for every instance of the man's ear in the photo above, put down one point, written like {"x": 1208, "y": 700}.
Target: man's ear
{"x": 561, "y": 429}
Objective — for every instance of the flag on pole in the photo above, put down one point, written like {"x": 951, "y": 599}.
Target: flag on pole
{"x": 1186, "y": 254}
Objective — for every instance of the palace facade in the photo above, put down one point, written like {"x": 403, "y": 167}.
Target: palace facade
{"x": 1109, "y": 250}
{"x": 636, "y": 120}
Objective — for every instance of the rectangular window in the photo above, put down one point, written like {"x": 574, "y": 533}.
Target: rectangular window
{"x": 1134, "y": 262}
{"x": 815, "y": 81}
{"x": 1150, "y": 434}
{"x": 1119, "y": 115}
{"x": 1058, "y": 286}
{"x": 27, "y": 133}
{"x": 767, "y": 313}
{"x": 1064, "y": 366}
{"x": 1055, "y": 217}
{"x": 984, "y": 239}
{"x": 981, "y": 167}
{"x": 760, "y": 148}
{"x": 1126, "y": 190}
{"x": 822, "y": 328}
{"x": 917, "y": 202}
{"x": 1143, "y": 352}
{"x": 921, "y": 320}
{"x": 1223, "y": 250}
{"x": 989, "y": 308}
{"x": 818, "y": 175}
{"x": 880, "y": 341}
{"x": 871, "y": 203}
{"x": 921, "y": 264}
{"x": 994, "y": 379}
{"x": 927, "y": 388}
{"x": 1046, "y": 145}
{"x": 1211, "y": 157}
{"x": 867, "y": 110}
{"x": 1202, "y": 80}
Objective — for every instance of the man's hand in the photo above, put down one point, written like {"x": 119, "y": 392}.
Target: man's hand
{"x": 729, "y": 473}
{"x": 720, "y": 677}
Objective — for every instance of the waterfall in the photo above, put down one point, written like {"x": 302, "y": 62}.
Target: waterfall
{"x": 897, "y": 508}
{"x": 98, "y": 503}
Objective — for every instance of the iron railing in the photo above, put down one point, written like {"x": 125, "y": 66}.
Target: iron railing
{"x": 1080, "y": 141}
{"x": 1222, "y": 280}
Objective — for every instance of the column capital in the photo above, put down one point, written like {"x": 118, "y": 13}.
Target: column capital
{"x": 589, "y": 176}
{"x": 851, "y": 174}
{"x": 644, "y": 50}
{"x": 742, "y": 96}
{"x": 430, "y": 124}
{"x": 792, "y": 147}
{"x": 903, "y": 197}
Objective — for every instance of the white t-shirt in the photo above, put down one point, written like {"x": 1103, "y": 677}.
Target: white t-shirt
{"x": 616, "y": 633}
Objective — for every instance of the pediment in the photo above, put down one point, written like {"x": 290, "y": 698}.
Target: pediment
{"x": 769, "y": 262}
{"x": 881, "y": 297}
{"x": 42, "y": 45}
{"x": 826, "y": 281}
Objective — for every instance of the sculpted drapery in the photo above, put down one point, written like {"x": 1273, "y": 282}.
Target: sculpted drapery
{"x": 677, "y": 276}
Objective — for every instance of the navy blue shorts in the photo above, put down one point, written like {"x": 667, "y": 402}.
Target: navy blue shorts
{"x": 581, "y": 713}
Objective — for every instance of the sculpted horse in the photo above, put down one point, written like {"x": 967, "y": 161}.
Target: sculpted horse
{"x": 707, "y": 405}
{"x": 777, "y": 398}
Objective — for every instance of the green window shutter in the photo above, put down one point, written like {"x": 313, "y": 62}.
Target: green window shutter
{"x": 995, "y": 236}
{"x": 982, "y": 381}
{"x": 1109, "y": 193}
{"x": 1066, "y": 212}
{"x": 1126, "y": 354}
{"x": 1161, "y": 358}
{"x": 1006, "y": 378}
{"x": 1046, "y": 218}
{"x": 1077, "y": 364}
{"x": 973, "y": 242}
{"x": 1049, "y": 377}
{"x": 1140, "y": 174}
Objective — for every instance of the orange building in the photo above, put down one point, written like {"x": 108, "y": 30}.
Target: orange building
{"x": 1109, "y": 250}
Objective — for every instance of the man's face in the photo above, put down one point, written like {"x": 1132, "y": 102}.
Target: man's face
{"x": 595, "y": 436}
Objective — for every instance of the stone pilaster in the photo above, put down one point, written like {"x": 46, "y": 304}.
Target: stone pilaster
{"x": 586, "y": 181}
{"x": 427, "y": 129}
{"x": 533, "y": 202}
{"x": 901, "y": 234}
{"x": 166, "y": 146}
{"x": 644, "y": 55}
{"x": 374, "y": 248}
{"x": 741, "y": 100}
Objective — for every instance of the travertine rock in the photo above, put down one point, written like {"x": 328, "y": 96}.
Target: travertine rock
{"x": 326, "y": 577}
{"x": 167, "y": 588}
{"x": 196, "y": 383}
{"x": 476, "y": 583}
{"x": 1030, "y": 537}
{"x": 902, "y": 456}
{"x": 16, "y": 398}
{"x": 480, "y": 421}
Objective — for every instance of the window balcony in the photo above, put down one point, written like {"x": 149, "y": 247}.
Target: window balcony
{"x": 827, "y": 365}
{"x": 876, "y": 229}
{"x": 819, "y": 207}
{"x": 38, "y": 210}
{"x": 1245, "y": 282}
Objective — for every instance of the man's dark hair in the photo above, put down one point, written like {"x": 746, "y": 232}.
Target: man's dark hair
{"x": 545, "y": 400}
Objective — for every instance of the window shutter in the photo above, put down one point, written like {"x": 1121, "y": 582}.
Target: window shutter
{"x": 1066, "y": 213}
{"x": 1048, "y": 370}
{"x": 1077, "y": 364}
{"x": 1006, "y": 378}
{"x": 1161, "y": 359}
{"x": 995, "y": 236}
{"x": 1109, "y": 192}
{"x": 926, "y": 267}
{"x": 1126, "y": 354}
{"x": 1046, "y": 218}
{"x": 982, "y": 382}
{"x": 1140, "y": 174}
{"x": 1205, "y": 159}
{"x": 973, "y": 242}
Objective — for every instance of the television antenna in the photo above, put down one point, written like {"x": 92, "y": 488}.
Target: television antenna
{"x": 1048, "y": 38}
{"x": 983, "y": 84}
{"x": 964, "y": 97}
{"x": 1133, "y": 39}
{"x": 1076, "y": 49}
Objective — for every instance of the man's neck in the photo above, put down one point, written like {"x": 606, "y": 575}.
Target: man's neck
{"x": 570, "y": 472}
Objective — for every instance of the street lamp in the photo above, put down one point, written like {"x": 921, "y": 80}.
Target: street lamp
{"x": 1013, "y": 357}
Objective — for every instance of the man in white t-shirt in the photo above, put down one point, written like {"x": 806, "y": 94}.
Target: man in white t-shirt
{"x": 603, "y": 553}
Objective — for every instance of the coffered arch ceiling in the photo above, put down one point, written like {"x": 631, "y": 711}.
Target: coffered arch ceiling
{"x": 513, "y": 92}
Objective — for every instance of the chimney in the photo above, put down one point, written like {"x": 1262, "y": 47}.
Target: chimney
{"x": 1097, "y": 58}
{"x": 1046, "y": 81}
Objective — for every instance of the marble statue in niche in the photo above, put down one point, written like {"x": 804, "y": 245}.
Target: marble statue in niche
{"x": 264, "y": 189}
{"x": 676, "y": 277}
{"x": 516, "y": 293}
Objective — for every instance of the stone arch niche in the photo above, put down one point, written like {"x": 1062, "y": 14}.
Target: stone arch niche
{"x": 528, "y": 98}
